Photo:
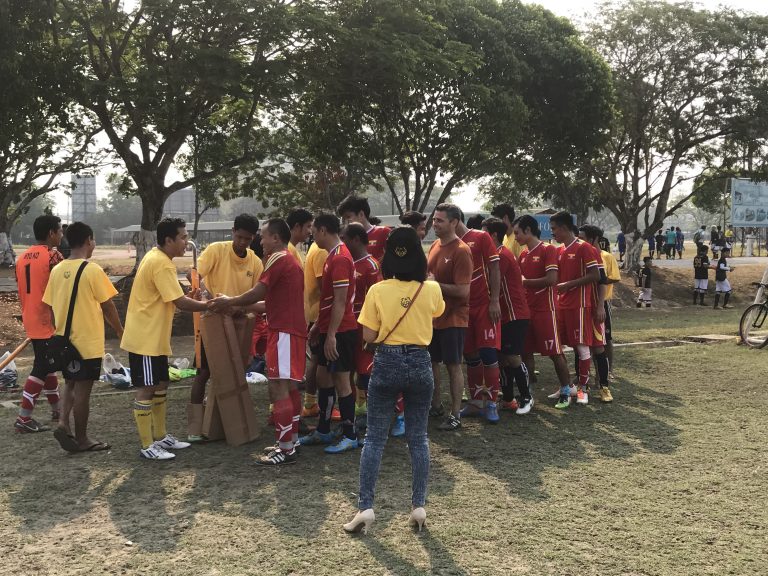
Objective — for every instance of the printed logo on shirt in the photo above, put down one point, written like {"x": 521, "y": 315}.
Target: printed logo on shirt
{"x": 571, "y": 256}
{"x": 249, "y": 274}
{"x": 67, "y": 274}
{"x": 405, "y": 302}
{"x": 535, "y": 258}
{"x": 446, "y": 259}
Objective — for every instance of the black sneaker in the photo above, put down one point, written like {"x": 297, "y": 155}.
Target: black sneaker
{"x": 437, "y": 412}
{"x": 277, "y": 458}
{"x": 451, "y": 423}
{"x": 30, "y": 426}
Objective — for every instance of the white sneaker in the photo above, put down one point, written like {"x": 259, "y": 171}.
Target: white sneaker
{"x": 555, "y": 395}
{"x": 525, "y": 408}
{"x": 172, "y": 443}
{"x": 582, "y": 397}
{"x": 156, "y": 452}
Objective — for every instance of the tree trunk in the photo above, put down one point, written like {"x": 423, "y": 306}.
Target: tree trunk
{"x": 633, "y": 257}
{"x": 151, "y": 213}
{"x": 7, "y": 256}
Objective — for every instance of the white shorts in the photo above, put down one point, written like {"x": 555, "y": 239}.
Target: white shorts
{"x": 722, "y": 286}
{"x": 700, "y": 285}
{"x": 645, "y": 294}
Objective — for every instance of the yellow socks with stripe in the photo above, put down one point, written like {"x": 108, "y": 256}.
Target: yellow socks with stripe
{"x": 142, "y": 413}
{"x": 158, "y": 415}
{"x": 309, "y": 400}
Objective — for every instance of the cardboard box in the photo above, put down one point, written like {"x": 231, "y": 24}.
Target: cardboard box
{"x": 229, "y": 411}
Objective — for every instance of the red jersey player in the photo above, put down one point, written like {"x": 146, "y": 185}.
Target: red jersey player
{"x": 356, "y": 209}
{"x": 279, "y": 286}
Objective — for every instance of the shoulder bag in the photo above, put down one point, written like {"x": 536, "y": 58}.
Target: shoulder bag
{"x": 59, "y": 351}
{"x": 371, "y": 346}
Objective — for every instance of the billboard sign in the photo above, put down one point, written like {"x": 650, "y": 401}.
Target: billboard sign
{"x": 749, "y": 203}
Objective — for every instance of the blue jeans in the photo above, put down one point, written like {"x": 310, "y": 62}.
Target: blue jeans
{"x": 396, "y": 370}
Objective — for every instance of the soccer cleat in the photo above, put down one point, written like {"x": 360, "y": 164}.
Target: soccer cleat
{"x": 31, "y": 426}
{"x": 361, "y": 409}
{"x": 437, "y": 412}
{"x": 311, "y": 411}
{"x": 563, "y": 403}
{"x": 471, "y": 411}
{"x": 525, "y": 407}
{"x": 335, "y": 415}
{"x": 605, "y": 395}
{"x": 451, "y": 423}
{"x": 491, "y": 412}
{"x": 172, "y": 443}
{"x": 512, "y": 405}
{"x": 317, "y": 438}
{"x": 398, "y": 429}
{"x": 55, "y": 416}
{"x": 277, "y": 458}
{"x": 343, "y": 445}
{"x": 156, "y": 452}
{"x": 582, "y": 397}
{"x": 196, "y": 438}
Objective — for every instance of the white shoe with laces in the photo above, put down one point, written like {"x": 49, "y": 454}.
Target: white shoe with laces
{"x": 172, "y": 443}
{"x": 156, "y": 452}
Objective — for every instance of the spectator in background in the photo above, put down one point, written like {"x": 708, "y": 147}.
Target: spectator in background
{"x": 714, "y": 241}
{"x": 621, "y": 244}
{"x": 698, "y": 237}
{"x": 659, "y": 243}
{"x": 679, "y": 242}
{"x": 415, "y": 220}
{"x": 64, "y": 246}
{"x": 651, "y": 245}
{"x": 669, "y": 245}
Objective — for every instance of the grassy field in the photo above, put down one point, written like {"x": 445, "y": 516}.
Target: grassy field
{"x": 667, "y": 481}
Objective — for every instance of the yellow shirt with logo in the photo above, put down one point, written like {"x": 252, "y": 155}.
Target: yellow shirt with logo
{"x": 387, "y": 300}
{"x": 313, "y": 271}
{"x": 611, "y": 272}
{"x": 512, "y": 245}
{"x": 293, "y": 251}
{"x": 149, "y": 319}
{"x": 224, "y": 272}
{"x": 87, "y": 333}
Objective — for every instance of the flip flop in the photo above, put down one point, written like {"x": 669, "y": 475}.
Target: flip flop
{"x": 66, "y": 441}
{"x": 97, "y": 447}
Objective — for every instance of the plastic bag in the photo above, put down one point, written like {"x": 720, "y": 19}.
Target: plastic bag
{"x": 9, "y": 376}
{"x": 115, "y": 373}
{"x": 255, "y": 378}
{"x": 180, "y": 363}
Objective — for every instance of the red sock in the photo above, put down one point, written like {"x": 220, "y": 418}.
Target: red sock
{"x": 492, "y": 382}
{"x": 475, "y": 381}
{"x": 296, "y": 405}
{"x": 283, "y": 412}
{"x": 32, "y": 388}
{"x": 399, "y": 405}
{"x": 51, "y": 389}
{"x": 584, "y": 366}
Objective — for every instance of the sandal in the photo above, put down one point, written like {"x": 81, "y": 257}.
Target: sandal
{"x": 66, "y": 441}
{"x": 97, "y": 447}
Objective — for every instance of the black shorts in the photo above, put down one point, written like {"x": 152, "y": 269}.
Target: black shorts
{"x": 513, "y": 336}
{"x": 608, "y": 337}
{"x": 346, "y": 344}
{"x": 447, "y": 345}
{"x": 81, "y": 370}
{"x": 315, "y": 349}
{"x": 148, "y": 370}
{"x": 40, "y": 365}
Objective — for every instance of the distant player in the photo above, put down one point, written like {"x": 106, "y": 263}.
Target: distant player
{"x": 313, "y": 278}
{"x": 645, "y": 281}
{"x": 299, "y": 221}
{"x": 415, "y": 220}
{"x": 506, "y": 213}
{"x": 701, "y": 266}
{"x": 356, "y": 209}
{"x": 722, "y": 285}
{"x": 612, "y": 276}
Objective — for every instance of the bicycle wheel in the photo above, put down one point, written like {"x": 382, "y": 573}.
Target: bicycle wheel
{"x": 753, "y": 327}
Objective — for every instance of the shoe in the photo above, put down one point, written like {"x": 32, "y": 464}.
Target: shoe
{"x": 417, "y": 519}
{"x": 398, "y": 429}
{"x": 310, "y": 412}
{"x": 171, "y": 443}
{"x": 582, "y": 397}
{"x": 727, "y": 307}
{"x": 491, "y": 412}
{"x": 605, "y": 395}
{"x": 437, "y": 412}
{"x": 196, "y": 438}
{"x": 343, "y": 445}
{"x": 361, "y": 522}
{"x": 55, "y": 416}
{"x": 513, "y": 405}
{"x": 525, "y": 407}
{"x": 563, "y": 403}
{"x": 611, "y": 377}
{"x": 156, "y": 452}
{"x": 451, "y": 423}
{"x": 335, "y": 415}
{"x": 361, "y": 409}
{"x": 30, "y": 426}
{"x": 555, "y": 395}
{"x": 317, "y": 438}
{"x": 269, "y": 449}
{"x": 471, "y": 411}
{"x": 277, "y": 458}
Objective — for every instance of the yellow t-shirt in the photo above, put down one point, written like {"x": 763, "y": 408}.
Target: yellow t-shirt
{"x": 224, "y": 272}
{"x": 293, "y": 251}
{"x": 611, "y": 272}
{"x": 87, "y": 333}
{"x": 512, "y": 245}
{"x": 313, "y": 271}
{"x": 149, "y": 319}
{"x": 385, "y": 303}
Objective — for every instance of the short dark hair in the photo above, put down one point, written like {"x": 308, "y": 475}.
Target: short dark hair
{"x": 298, "y": 216}
{"x": 495, "y": 227}
{"x": 451, "y": 210}
{"x": 280, "y": 227}
{"x": 412, "y": 218}
{"x": 563, "y": 218}
{"x": 328, "y": 221}
{"x": 504, "y": 209}
{"x": 256, "y": 246}
{"x": 355, "y": 204}
{"x": 78, "y": 233}
{"x": 246, "y": 222}
{"x": 591, "y": 232}
{"x": 44, "y": 225}
{"x": 356, "y": 230}
{"x": 647, "y": 259}
{"x": 169, "y": 228}
{"x": 475, "y": 222}
{"x": 529, "y": 222}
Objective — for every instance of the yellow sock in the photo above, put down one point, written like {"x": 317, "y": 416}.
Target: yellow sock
{"x": 142, "y": 413}
{"x": 309, "y": 400}
{"x": 362, "y": 397}
{"x": 271, "y": 407}
{"x": 158, "y": 415}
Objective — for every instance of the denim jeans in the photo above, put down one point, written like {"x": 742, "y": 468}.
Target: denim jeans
{"x": 396, "y": 370}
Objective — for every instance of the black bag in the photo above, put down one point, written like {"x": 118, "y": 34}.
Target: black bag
{"x": 59, "y": 351}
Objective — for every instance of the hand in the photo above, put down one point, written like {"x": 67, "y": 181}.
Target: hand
{"x": 314, "y": 335}
{"x": 494, "y": 311}
{"x": 219, "y": 304}
{"x": 194, "y": 294}
{"x": 600, "y": 314}
{"x": 563, "y": 287}
{"x": 329, "y": 349}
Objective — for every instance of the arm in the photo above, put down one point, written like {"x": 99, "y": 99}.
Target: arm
{"x": 369, "y": 335}
{"x": 254, "y": 295}
{"x": 337, "y": 313}
{"x": 592, "y": 276}
{"x": 188, "y": 304}
{"x": 600, "y": 308}
{"x": 455, "y": 290}
{"x": 111, "y": 316}
{"x": 549, "y": 280}
{"x": 494, "y": 278}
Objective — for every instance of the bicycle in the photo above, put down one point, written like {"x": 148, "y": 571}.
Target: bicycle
{"x": 753, "y": 328}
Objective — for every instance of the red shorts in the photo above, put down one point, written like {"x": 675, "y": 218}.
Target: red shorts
{"x": 543, "y": 335}
{"x": 480, "y": 332}
{"x": 286, "y": 356}
{"x": 259, "y": 338}
{"x": 363, "y": 359}
{"x": 576, "y": 326}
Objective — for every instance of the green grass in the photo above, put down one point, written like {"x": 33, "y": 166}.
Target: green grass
{"x": 636, "y": 325}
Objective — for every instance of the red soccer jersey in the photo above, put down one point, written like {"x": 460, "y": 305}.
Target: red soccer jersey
{"x": 511, "y": 292}
{"x": 367, "y": 273}
{"x": 284, "y": 280}
{"x": 535, "y": 264}
{"x": 483, "y": 253}
{"x": 338, "y": 272}
{"x": 33, "y": 268}
{"x": 573, "y": 262}
{"x": 377, "y": 241}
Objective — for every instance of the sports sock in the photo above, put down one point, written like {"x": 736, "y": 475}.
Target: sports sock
{"x": 347, "y": 409}
{"x": 159, "y": 406}
{"x": 695, "y": 297}
{"x": 283, "y": 416}
{"x": 726, "y": 297}
{"x": 142, "y": 414}
{"x": 717, "y": 299}
{"x": 399, "y": 404}
{"x": 492, "y": 381}
{"x": 521, "y": 378}
{"x": 295, "y": 396}
{"x": 474, "y": 380}
{"x": 32, "y": 388}
{"x": 507, "y": 379}
{"x": 602, "y": 368}
{"x": 584, "y": 366}
{"x": 326, "y": 398}
{"x": 309, "y": 400}
{"x": 701, "y": 298}
{"x": 51, "y": 390}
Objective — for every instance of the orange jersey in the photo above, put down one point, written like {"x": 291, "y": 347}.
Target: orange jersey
{"x": 33, "y": 268}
